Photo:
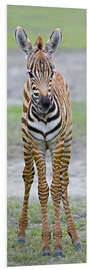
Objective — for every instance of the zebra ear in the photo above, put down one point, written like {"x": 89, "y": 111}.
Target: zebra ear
{"x": 54, "y": 41}
{"x": 22, "y": 40}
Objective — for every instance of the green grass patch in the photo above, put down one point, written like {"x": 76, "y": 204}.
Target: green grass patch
{"x": 14, "y": 122}
{"x": 30, "y": 253}
{"x": 42, "y": 20}
{"x": 79, "y": 119}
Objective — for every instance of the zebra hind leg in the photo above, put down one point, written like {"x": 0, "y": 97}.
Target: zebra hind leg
{"x": 65, "y": 159}
{"x": 28, "y": 175}
{"x": 71, "y": 228}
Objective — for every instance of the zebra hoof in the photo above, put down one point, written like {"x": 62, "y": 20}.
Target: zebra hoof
{"x": 46, "y": 253}
{"x": 77, "y": 245}
{"x": 21, "y": 240}
{"x": 59, "y": 253}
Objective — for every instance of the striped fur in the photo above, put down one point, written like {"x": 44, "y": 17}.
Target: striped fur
{"x": 46, "y": 124}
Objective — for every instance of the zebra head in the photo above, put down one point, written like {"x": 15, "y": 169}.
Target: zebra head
{"x": 40, "y": 67}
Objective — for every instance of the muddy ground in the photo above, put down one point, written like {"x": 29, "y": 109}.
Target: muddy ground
{"x": 72, "y": 65}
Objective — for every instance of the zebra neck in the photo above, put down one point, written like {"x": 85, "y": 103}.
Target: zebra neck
{"x": 52, "y": 114}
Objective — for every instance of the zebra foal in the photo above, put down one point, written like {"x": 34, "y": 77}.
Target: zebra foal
{"x": 46, "y": 124}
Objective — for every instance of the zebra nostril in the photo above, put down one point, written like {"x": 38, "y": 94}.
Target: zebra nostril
{"x": 44, "y": 101}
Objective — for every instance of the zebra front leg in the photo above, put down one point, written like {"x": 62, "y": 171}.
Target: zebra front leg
{"x": 28, "y": 175}
{"x": 43, "y": 192}
{"x": 70, "y": 223}
{"x": 56, "y": 194}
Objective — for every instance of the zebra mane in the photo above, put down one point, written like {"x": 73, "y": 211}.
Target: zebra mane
{"x": 39, "y": 42}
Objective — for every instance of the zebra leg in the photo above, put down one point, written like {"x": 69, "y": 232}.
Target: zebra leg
{"x": 64, "y": 179}
{"x": 55, "y": 193}
{"x": 28, "y": 175}
{"x": 56, "y": 152}
{"x": 70, "y": 223}
{"x": 43, "y": 192}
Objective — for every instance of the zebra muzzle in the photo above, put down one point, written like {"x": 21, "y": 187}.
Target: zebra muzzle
{"x": 44, "y": 102}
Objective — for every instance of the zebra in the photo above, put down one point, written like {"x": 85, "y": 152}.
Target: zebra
{"x": 46, "y": 124}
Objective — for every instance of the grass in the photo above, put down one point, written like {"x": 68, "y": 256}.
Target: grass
{"x": 42, "y": 20}
{"x": 14, "y": 122}
{"x": 30, "y": 253}
{"x": 79, "y": 119}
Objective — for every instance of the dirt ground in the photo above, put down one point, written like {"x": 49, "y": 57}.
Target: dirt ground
{"x": 72, "y": 64}
{"x": 77, "y": 173}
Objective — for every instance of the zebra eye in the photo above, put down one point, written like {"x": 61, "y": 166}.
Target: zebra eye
{"x": 30, "y": 74}
{"x": 51, "y": 75}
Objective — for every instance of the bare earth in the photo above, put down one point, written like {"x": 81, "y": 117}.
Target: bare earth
{"x": 72, "y": 64}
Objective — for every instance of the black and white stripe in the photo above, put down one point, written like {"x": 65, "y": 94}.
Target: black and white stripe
{"x": 45, "y": 127}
